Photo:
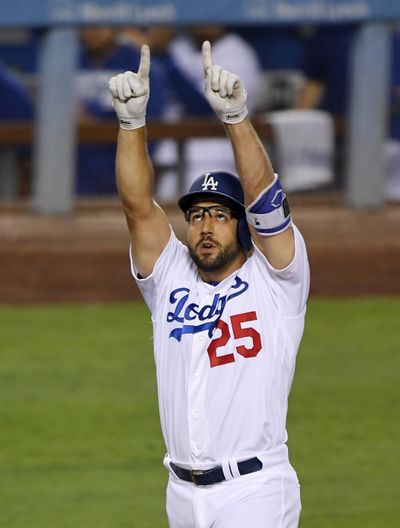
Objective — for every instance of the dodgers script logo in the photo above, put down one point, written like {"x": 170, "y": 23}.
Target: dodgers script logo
{"x": 207, "y": 315}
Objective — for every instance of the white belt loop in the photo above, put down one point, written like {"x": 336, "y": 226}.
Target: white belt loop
{"x": 166, "y": 462}
{"x": 226, "y": 470}
{"x": 234, "y": 468}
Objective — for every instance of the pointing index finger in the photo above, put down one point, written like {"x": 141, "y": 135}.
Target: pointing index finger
{"x": 207, "y": 60}
{"x": 144, "y": 66}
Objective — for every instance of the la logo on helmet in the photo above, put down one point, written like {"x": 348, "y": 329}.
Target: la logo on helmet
{"x": 209, "y": 182}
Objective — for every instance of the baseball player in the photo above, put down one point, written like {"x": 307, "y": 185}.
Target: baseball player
{"x": 228, "y": 315}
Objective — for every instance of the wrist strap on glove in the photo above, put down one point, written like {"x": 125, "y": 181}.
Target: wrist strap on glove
{"x": 127, "y": 123}
{"x": 234, "y": 117}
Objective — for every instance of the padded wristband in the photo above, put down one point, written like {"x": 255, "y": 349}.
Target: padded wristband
{"x": 269, "y": 214}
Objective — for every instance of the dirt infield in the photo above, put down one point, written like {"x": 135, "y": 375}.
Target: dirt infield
{"x": 84, "y": 257}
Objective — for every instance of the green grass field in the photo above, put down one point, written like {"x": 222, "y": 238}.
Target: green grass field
{"x": 80, "y": 442}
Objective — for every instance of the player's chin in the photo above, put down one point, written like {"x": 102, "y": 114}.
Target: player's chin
{"x": 205, "y": 260}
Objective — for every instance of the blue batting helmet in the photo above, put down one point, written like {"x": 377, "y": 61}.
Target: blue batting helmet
{"x": 225, "y": 186}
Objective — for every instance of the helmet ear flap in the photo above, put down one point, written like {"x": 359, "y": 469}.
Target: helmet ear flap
{"x": 243, "y": 232}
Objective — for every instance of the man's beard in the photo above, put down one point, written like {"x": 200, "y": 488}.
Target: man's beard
{"x": 223, "y": 258}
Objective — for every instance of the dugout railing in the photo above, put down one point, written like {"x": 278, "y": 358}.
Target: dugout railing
{"x": 14, "y": 135}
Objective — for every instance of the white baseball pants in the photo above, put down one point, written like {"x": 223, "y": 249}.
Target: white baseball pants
{"x": 269, "y": 498}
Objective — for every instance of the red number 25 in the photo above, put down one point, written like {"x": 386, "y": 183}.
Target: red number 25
{"x": 238, "y": 332}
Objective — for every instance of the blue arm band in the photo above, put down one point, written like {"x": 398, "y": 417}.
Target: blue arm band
{"x": 269, "y": 214}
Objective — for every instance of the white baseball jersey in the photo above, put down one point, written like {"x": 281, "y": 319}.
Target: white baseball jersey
{"x": 225, "y": 354}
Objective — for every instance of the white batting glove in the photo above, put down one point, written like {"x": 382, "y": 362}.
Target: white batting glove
{"x": 224, "y": 90}
{"x": 130, "y": 93}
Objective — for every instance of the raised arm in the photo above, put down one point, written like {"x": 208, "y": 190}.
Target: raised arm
{"x": 267, "y": 211}
{"x": 148, "y": 226}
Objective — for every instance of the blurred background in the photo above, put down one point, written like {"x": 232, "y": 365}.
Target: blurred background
{"x": 76, "y": 372}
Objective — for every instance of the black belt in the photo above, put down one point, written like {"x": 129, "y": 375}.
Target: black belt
{"x": 215, "y": 474}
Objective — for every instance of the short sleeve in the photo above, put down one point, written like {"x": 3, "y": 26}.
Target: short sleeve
{"x": 289, "y": 286}
{"x": 173, "y": 261}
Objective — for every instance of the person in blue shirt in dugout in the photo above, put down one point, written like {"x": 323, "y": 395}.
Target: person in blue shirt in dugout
{"x": 15, "y": 102}
{"x": 16, "y": 105}
{"x": 102, "y": 55}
